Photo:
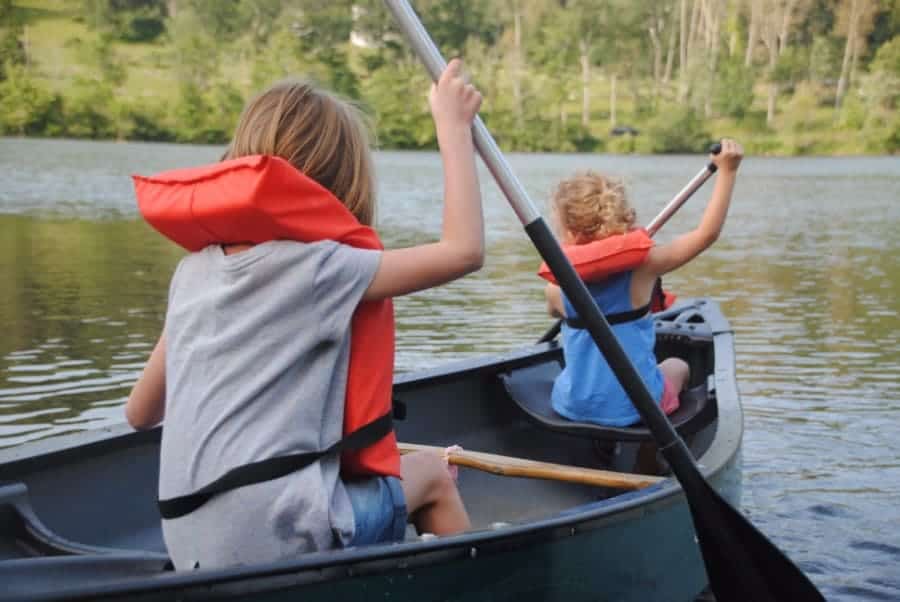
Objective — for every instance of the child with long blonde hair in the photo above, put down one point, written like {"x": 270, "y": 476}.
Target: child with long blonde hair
{"x": 257, "y": 350}
{"x": 588, "y": 208}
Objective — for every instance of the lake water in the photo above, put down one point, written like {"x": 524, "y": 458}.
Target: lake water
{"x": 806, "y": 270}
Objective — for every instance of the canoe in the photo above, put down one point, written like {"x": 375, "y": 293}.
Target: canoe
{"x": 78, "y": 519}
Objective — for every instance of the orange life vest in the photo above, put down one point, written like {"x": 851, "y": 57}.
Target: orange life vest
{"x": 599, "y": 259}
{"x": 260, "y": 198}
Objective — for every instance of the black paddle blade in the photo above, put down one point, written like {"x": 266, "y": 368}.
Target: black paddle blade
{"x": 741, "y": 563}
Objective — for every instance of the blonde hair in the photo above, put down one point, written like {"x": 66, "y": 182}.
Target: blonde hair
{"x": 589, "y": 206}
{"x": 325, "y": 137}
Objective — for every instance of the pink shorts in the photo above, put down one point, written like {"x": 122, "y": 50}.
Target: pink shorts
{"x": 669, "y": 402}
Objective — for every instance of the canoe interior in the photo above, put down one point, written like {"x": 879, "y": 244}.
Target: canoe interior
{"x": 96, "y": 494}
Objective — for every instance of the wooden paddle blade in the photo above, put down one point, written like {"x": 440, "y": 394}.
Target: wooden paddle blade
{"x": 741, "y": 563}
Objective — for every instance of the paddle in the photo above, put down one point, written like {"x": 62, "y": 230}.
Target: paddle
{"x": 659, "y": 221}
{"x": 509, "y": 466}
{"x": 741, "y": 563}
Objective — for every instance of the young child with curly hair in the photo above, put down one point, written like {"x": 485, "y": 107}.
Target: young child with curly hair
{"x": 589, "y": 208}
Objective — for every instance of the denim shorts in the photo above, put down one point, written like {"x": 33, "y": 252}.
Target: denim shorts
{"x": 379, "y": 510}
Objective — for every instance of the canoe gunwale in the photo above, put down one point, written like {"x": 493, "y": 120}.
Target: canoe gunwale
{"x": 720, "y": 457}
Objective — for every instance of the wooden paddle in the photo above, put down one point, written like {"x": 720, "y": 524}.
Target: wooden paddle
{"x": 659, "y": 221}
{"x": 509, "y": 466}
{"x": 741, "y": 563}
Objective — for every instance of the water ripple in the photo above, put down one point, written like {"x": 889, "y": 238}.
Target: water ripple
{"x": 811, "y": 288}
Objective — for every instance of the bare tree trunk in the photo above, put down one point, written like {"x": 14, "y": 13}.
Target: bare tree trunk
{"x": 713, "y": 55}
{"x": 172, "y": 8}
{"x": 682, "y": 50}
{"x": 654, "y": 30}
{"x": 848, "y": 51}
{"x": 853, "y": 63}
{"x": 612, "y": 101}
{"x": 585, "y": 84}
{"x": 670, "y": 54}
{"x": 751, "y": 32}
{"x": 773, "y": 85}
{"x": 682, "y": 39}
{"x": 26, "y": 46}
{"x": 770, "y": 104}
{"x": 707, "y": 17}
{"x": 517, "y": 62}
{"x": 695, "y": 28}
{"x": 657, "y": 54}
{"x": 689, "y": 50}
{"x": 786, "y": 25}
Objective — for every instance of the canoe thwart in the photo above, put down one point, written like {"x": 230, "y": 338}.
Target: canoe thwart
{"x": 521, "y": 467}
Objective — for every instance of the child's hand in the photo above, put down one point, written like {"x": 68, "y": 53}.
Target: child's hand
{"x": 454, "y": 103}
{"x": 729, "y": 158}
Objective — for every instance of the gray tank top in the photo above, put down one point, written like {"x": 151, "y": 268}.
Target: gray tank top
{"x": 257, "y": 349}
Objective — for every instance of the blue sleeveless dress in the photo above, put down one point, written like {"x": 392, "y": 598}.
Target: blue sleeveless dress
{"x": 587, "y": 390}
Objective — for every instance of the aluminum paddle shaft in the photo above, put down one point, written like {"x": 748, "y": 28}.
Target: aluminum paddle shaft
{"x": 684, "y": 194}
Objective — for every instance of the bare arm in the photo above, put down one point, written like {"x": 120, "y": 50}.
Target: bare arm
{"x": 147, "y": 402}
{"x": 668, "y": 257}
{"x": 460, "y": 250}
{"x": 555, "y": 306}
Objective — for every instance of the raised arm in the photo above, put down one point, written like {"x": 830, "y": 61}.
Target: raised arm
{"x": 454, "y": 104}
{"x": 670, "y": 256}
{"x": 146, "y": 404}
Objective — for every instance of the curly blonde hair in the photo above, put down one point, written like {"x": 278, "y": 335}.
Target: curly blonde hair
{"x": 589, "y": 207}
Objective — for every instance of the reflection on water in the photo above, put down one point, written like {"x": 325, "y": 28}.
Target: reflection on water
{"x": 806, "y": 270}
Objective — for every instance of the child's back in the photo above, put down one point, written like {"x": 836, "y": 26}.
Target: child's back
{"x": 587, "y": 390}
{"x": 240, "y": 330}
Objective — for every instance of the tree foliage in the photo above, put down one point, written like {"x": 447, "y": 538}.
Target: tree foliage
{"x": 556, "y": 74}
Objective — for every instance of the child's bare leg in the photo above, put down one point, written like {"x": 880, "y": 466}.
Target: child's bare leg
{"x": 432, "y": 499}
{"x": 676, "y": 371}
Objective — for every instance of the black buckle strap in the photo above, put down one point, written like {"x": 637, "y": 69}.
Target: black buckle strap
{"x": 273, "y": 468}
{"x": 616, "y": 318}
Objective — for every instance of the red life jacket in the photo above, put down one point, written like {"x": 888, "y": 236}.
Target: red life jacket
{"x": 599, "y": 259}
{"x": 260, "y": 198}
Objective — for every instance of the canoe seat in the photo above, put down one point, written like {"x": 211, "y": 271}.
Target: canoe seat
{"x": 530, "y": 389}
{"x": 23, "y": 536}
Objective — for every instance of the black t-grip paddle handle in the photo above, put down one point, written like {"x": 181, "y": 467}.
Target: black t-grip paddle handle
{"x": 715, "y": 149}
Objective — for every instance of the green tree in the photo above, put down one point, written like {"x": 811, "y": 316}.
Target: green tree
{"x": 192, "y": 49}
{"x": 452, "y": 22}
{"x": 12, "y": 51}
{"x": 129, "y": 20}
{"x": 89, "y": 110}
{"x": 734, "y": 90}
{"x": 222, "y": 20}
{"x": 680, "y": 130}
{"x": 26, "y": 107}
{"x": 102, "y": 60}
{"x": 323, "y": 34}
{"x": 397, "y": 98}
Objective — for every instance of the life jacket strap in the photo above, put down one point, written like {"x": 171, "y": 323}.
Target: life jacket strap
{"x": 616, "y": 318}
{"x": 273, "y": 468}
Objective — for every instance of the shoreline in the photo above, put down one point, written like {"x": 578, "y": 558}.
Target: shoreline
{"x": 602, "y": 152}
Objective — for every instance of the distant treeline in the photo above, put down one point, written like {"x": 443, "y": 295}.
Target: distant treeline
{"x": 784, "y": 76}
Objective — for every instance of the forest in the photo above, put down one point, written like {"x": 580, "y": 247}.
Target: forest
{"x": 785, "y": 77}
